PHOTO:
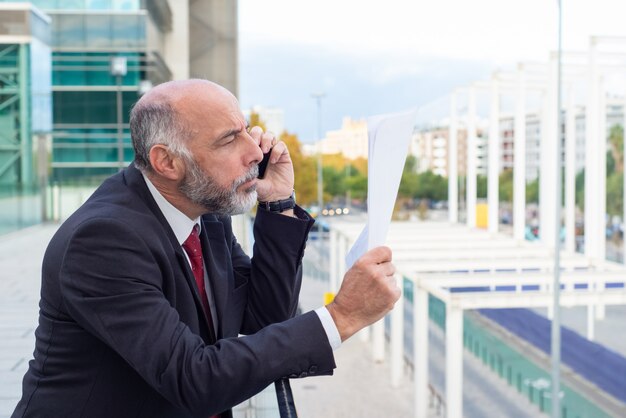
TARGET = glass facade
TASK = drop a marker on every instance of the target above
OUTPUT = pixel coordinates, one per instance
(96, 31)
(85, 35)
(84, 4)
(86, 126)
(14, 112)
(25, 110)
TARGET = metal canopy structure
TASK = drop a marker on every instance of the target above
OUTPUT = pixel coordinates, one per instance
(443, 259)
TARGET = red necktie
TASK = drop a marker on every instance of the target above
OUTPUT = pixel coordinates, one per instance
(194, 251)
(193, 248)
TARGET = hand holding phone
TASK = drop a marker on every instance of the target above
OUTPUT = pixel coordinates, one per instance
(263, 163)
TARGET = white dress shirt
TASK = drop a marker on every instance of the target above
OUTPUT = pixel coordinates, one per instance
(181, 226)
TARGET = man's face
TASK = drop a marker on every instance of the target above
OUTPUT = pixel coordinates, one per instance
(221, 174)
(198, 187)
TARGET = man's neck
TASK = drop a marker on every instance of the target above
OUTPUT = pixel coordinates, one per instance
(170, 192)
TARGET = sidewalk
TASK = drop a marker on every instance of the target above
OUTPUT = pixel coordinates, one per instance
(359, 387)
(21, 253)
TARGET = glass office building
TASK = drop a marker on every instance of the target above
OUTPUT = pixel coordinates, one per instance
(90, 101)
(25, 111)
(70, 70)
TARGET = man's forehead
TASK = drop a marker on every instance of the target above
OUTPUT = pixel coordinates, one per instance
(188, 91)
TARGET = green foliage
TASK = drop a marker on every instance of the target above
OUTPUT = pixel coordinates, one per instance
(358, 186)
(505, 186)
(334, 184)
(610, 163)
(616, 148)
(614, 194)
(580, 189)
(481, 187)
(532, 191)
(431, 186)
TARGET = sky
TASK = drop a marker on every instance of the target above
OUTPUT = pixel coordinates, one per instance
(370, 57)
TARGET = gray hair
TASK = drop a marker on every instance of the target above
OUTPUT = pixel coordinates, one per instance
(153, 123)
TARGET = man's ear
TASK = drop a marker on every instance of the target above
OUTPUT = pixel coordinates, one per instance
(165, 163)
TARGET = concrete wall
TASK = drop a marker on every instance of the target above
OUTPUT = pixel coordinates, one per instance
(213, 42)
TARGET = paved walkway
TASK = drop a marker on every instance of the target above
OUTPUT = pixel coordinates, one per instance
(359, 387)
(20, 269)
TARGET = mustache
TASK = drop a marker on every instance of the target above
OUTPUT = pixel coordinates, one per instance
(252, 174)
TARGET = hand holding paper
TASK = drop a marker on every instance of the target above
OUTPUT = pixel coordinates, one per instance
(388, 144)
(368, 291)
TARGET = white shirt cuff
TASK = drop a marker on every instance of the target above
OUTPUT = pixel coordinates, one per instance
(329, 326)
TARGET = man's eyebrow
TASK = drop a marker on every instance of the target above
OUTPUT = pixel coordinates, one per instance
(230, 132)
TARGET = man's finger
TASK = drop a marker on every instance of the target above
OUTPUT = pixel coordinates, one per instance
(378, 255)
(256, 133)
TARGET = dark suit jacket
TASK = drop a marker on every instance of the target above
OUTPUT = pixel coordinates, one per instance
(121, 331)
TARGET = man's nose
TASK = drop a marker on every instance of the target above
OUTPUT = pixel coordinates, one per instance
(254, 150)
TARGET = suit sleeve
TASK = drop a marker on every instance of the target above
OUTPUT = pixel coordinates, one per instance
(274, 275)
(111, 282)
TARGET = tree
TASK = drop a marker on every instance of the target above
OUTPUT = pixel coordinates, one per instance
(614, 194)
(255, 120)
(580, 189)
(616, 147)
(481, 187)
(505, 186)
(532, 191)
(305, 170)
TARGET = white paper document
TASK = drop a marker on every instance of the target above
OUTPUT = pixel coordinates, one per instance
(388, 137)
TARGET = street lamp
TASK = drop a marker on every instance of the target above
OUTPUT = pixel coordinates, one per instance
(119, 70)
(320, 191)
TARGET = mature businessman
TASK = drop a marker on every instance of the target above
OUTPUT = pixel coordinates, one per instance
(145, 289)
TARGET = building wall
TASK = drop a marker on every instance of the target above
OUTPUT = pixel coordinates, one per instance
(272, 118)
(213, 40)
(351, 140)
(177, 40)
(25, 92)
(430, 148)
(157, 39)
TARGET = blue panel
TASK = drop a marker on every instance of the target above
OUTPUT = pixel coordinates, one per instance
(595, 362)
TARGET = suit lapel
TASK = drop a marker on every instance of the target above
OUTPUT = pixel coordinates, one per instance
(217, 264)
(135, 181)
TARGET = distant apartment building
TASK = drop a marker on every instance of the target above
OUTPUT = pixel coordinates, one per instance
(350, 140)
(430, 145)
(106, 53)
(430, 148)
(614, 116)
(273, 118)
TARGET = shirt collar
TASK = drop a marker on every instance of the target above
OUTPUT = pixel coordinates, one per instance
(179, 222)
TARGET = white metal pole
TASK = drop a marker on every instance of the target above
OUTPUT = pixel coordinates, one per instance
(470, 189)
(454, 361)
(420, 350)
(453, 186)
(591, 317)
(601, 187)
(397, 337)
(378, 341)
(493, 199)
(519, 171)
(624, 191)
(556, 285)
(570, 173)
(547, 175)
(342, 250)
(592, 168)
(333, 260)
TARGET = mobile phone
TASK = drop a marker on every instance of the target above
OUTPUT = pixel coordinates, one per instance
(263, 164)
